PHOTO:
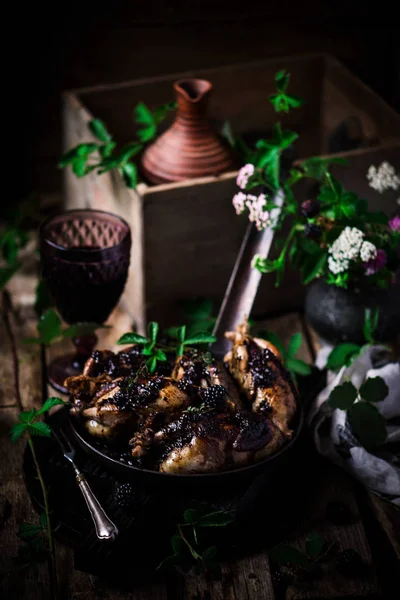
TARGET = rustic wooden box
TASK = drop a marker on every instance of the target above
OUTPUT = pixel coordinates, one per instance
(186, 235)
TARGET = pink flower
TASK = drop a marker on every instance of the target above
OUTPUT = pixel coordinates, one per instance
(238, 202)
(376, 264)
(244, 175)
(394, 224)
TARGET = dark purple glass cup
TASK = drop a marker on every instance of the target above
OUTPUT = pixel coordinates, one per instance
(84, 257)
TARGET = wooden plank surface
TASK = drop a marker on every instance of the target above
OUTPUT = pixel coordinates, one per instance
(248, 578)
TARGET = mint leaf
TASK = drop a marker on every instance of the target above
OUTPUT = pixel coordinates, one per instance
(342, 355)
(374, 389)
(27, 531)
(129, 173)
(106, 150)
(143, 114)
(27, 415)
(176, 543)
(99, 130)
(370, 324)
(160, 355)
(152, 331)
(39, 428)
(343, 396)
(190, 516)
(181, 333)
(43, 299)
(294, 344)
(367, 424)
(284, 554)
(128, 151)
(314, 545)
(152, 364)
(200, 338)
(215, 519)
(132, 338)
(313, 265)
(298, 366)
(282, 79)
(49, 326)
(17, 431)
(294, 101)
(49, 403)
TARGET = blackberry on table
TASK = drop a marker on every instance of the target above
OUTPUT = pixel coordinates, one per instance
(123, 495)
(213, 396)
(312, 231)
(349, 563)
(310, 208)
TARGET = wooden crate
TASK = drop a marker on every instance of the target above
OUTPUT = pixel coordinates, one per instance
(186, 235)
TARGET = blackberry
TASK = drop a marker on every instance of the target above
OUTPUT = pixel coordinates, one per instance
(184, 384)
(312, 231)
(213, 396)
(310, 208)
(123, 495)
(338, 513)
(349, 563)
(279, 580)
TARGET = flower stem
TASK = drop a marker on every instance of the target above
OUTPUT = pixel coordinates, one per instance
(52, 559)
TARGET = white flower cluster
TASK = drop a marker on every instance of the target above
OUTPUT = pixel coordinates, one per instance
(368, 252)
(350, 245)
(244, 175)
(255, 204)
(383, 178)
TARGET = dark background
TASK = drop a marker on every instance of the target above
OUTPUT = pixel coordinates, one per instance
(57, 47)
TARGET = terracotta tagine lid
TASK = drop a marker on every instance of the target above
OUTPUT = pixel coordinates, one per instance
(189, 148)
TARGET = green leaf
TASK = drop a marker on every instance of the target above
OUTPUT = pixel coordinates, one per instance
(282, 79)
(32, 340)
(152, 364)
(200, 338)
(343, 396)
(26, 531)
(129, 151)
(129, 173)
(294, 344)
(287, 139)
(49, 326)
(160, 355)
(27, 415)
(270, 162)
(43, 299)
(143, 114)
(39, 428)
(6, 273)
(161, 111)
(17, 431)
(181, 333)
(342, 355)
(313, 265)
(180, 350)
(314, 545)
(106, 150)
(273, 338)
(371, 319)
(284, 554)
(49, 403)
(82, 329)
(99, 130)
(227, 133)
(219, 518)
(367, 424)
(294, 101)
(79, 166)
(374, 389)
(190, 516)
(298, 366)
(152, 331)
(176, 543)
(132, 338)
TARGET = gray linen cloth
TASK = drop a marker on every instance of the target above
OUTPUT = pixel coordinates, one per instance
(380, 472)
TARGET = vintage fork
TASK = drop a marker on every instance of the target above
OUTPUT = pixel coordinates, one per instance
(105, 528)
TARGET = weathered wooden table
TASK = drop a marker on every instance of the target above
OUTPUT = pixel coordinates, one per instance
(374, 533)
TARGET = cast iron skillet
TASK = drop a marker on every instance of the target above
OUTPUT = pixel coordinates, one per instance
(267, 467)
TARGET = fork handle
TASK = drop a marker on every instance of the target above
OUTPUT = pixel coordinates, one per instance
(105, 528)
